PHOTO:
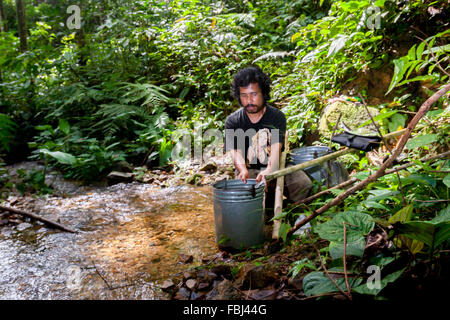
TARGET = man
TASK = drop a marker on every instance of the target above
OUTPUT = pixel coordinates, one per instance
(255, 134)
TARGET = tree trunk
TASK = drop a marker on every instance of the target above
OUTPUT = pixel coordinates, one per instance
(3, 22)
(22, 24)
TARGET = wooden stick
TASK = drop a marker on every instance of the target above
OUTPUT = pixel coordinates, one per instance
(353, 180)
(278, 208)
(349, 295)
(382, 170)
(36, 217)
(320, 160)
(326, 271)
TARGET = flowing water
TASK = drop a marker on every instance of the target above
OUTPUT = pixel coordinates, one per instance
(131, 236)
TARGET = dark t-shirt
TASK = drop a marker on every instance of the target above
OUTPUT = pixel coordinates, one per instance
(271, 119)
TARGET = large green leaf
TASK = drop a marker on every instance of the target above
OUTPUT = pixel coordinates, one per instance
(384, 281)
(403, 215)
(61, 157)
(379, 117)
(337, 45)
(400, 67)
(421, 141)
(433, 232)
(447, 180)
(354, 248)
(443, 216)
(418, 178)
(358, 225)
(396, 121)
(64, 126)
(316, 283)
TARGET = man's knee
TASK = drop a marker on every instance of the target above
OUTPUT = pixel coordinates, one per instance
(298, 185)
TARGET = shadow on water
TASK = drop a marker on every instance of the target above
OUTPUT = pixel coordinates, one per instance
(130, 240)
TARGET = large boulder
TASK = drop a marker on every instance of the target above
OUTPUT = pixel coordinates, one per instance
(353, 116)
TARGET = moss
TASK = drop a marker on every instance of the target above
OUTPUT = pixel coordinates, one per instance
(353, 115)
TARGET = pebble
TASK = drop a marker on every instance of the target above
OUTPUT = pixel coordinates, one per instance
(23, 226)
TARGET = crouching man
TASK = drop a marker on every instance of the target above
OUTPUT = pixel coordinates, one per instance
(254, 136)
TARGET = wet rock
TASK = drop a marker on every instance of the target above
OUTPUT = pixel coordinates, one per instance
(206, 275)
(194, 179)
(183, 294)
(168, 286)
(204, 285)
(123, 166)
(197, 296)
(214, 292)
(210, 167)
(267, 294)
(222, 270)
(16, 221)
(6, 232)
(256, 277)
(283, 295)
(23, 226)
(115, 177)
(296, 283)
(189, 275)
(226, 291)
(184, 258)
(191, 284)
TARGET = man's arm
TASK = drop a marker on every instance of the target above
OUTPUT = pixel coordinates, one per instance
(239, 163)
(273, 163)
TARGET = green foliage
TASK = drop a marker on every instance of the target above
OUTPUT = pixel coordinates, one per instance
(298, 266)
(317, 283)
(7, 129)
(418, 59)
(432, 233)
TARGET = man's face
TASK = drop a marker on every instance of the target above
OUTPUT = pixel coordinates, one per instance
(251, 98)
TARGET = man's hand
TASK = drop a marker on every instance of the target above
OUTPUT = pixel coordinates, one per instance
(243, 175)
(262, 175)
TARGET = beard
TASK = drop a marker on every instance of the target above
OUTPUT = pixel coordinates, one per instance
(253, 108)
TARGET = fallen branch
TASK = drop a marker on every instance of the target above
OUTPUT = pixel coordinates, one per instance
(353, 180)
(382, 170)
(36, 217)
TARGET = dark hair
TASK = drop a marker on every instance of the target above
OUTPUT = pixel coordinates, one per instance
(249, 75)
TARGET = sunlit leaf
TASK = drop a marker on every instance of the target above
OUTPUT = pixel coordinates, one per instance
(403, 215)
(61, 157)
(420, 141)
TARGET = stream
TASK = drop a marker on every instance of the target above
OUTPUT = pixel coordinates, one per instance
(130, 240)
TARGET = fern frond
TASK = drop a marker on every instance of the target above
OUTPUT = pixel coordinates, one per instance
(115, 117)
(274, 55)
(152, 95)
(7, 130)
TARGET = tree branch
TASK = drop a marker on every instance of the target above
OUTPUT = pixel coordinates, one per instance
(382, 171)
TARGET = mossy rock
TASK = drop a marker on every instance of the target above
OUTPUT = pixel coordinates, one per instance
(353, 115)
(194, 179)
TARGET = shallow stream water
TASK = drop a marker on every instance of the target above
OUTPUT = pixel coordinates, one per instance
(131, 236)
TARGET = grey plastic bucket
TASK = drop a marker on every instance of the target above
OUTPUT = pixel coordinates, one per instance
(238, 213)
(330, 172)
